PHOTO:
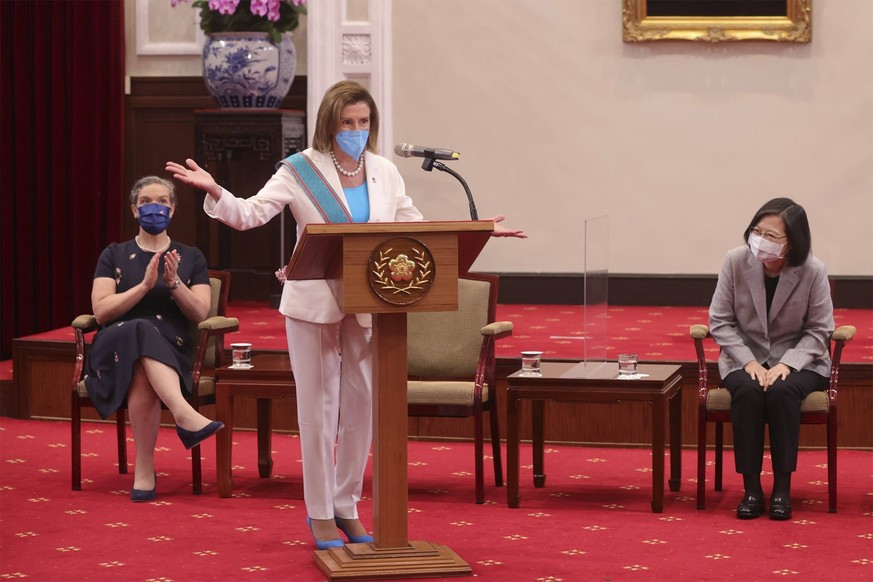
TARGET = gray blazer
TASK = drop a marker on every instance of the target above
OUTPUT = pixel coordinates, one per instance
(797, 330)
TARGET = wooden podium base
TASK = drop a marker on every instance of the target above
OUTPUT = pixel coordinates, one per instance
(368, 562)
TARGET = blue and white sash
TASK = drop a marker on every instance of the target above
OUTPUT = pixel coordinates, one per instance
(323, 196)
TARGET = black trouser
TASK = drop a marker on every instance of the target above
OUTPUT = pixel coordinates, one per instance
(779, 407)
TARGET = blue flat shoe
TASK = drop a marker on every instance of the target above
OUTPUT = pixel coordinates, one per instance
(140, 495)
(323, 545)
(192, 438)
(353, 539)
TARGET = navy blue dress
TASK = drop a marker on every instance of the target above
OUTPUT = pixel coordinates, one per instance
(155, 327)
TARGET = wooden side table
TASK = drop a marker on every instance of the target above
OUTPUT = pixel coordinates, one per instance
(270, 377)
(570, 382)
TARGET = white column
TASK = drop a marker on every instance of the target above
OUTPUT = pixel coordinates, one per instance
(359, 50)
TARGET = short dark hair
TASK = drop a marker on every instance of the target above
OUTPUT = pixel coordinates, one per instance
(796, 227)
(329, 113)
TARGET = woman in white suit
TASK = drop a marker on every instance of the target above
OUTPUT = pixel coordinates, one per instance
(772, 317)
(339, 179)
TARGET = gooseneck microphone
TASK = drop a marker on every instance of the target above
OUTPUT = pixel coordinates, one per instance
(407, 150)
(431, 155)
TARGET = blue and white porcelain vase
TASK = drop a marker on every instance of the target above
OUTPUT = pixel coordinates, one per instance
(245, 69)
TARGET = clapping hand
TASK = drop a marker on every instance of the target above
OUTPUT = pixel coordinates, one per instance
(171, 266)
(151, 272)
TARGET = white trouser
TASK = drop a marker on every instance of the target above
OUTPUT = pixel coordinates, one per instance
(333, 371)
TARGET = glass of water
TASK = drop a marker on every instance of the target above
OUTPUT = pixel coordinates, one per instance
(530, 363)
(627, 364)
(242, 355)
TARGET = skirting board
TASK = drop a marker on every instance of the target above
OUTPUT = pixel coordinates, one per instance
(668, 290)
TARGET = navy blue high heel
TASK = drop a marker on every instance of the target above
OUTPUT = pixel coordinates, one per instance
(353, 539)
(192, 438)
(323, 545)
(140, 495)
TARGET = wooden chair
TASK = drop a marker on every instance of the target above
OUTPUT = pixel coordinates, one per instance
(208, 337)
(451, 365)
(714, 405)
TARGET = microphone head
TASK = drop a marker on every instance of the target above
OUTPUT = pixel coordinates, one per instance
(404, 150)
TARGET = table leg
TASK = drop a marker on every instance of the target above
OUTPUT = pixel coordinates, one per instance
(676, 441)
(538, 429)
(512, 403)
(659, 435)
(224, 439)
(265, 437)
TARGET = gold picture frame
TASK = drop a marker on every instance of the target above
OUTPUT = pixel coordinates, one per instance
(794, 26)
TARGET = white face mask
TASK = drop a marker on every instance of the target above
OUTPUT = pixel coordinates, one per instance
(764, 250)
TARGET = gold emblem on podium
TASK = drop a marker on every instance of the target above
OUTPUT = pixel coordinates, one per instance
(401, 271)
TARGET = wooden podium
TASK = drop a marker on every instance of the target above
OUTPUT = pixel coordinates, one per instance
(389, 270)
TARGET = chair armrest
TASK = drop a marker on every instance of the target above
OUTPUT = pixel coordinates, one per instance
(87, 323)
(844, 333)
(498, 329)
(699, 332)
(219, 324)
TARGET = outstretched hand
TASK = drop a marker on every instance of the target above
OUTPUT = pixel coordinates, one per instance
(194, 175)
(500, 230)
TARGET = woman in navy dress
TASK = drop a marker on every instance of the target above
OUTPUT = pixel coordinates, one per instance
(146, 293)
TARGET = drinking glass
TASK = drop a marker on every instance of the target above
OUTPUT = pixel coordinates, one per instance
(627, 364)
(530, 363)
(242, 355)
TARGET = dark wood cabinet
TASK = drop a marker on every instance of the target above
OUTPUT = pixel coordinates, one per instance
(241, 148)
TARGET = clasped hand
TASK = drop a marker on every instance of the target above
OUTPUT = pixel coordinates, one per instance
(766, 377)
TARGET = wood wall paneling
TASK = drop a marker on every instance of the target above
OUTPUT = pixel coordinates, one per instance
(241, 150)
(672, 290)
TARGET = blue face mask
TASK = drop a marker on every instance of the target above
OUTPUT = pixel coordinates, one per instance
(154, 218)
(353, 142)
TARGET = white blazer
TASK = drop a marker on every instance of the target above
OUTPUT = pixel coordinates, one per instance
(312, 300)
(797, 330)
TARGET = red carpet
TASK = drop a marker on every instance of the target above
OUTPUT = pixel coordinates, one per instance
(653, 333)
(590, 522)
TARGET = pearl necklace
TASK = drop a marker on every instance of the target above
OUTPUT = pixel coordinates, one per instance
(148, 250)
(345, 172)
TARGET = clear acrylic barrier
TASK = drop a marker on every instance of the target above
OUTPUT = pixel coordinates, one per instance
(596, 299)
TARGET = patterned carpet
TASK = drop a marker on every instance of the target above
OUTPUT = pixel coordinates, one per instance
(590, 522)
(657, 334)
(653, 333)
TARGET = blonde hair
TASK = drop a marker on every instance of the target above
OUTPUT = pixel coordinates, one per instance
(329, 113)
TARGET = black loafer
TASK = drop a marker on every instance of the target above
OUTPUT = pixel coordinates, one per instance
(751, 507)
(780, 508)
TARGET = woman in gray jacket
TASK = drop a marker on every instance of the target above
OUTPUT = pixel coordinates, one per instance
(772, 317)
